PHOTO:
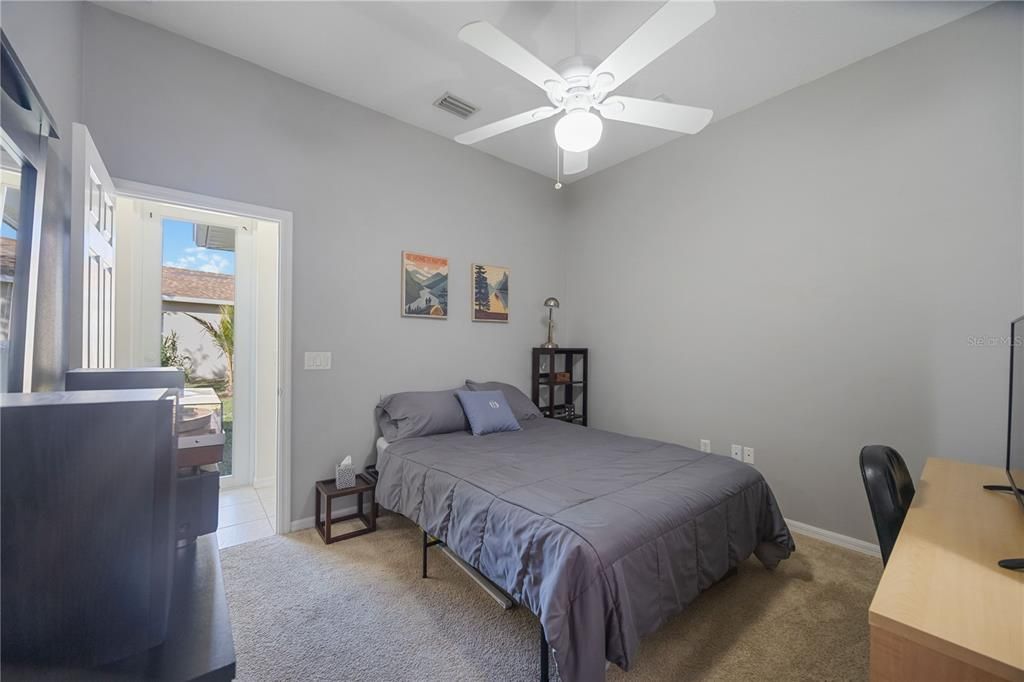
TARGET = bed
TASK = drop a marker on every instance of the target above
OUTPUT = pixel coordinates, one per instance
(603, 536)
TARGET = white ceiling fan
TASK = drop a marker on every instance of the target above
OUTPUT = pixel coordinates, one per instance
(580, 88)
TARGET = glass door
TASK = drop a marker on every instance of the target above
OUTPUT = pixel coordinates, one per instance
(205, 315)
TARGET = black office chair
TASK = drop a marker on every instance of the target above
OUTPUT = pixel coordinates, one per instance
(890, 490)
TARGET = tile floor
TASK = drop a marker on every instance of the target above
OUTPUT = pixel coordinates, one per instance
(246, 514)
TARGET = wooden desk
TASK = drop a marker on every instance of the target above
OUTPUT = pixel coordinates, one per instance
(944, 610)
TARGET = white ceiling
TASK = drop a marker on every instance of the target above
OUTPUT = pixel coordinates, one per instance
(398, 57)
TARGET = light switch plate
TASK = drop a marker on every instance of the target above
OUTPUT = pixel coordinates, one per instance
(705, 445)
(318, 359)
(737, 452)
(748, 455)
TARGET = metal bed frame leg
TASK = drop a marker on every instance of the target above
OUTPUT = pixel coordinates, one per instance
(427, 544)
(545, 648)
(425, 547)
(544, 656)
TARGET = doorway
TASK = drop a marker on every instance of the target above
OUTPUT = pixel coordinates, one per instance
(199, 298)
(200, 288)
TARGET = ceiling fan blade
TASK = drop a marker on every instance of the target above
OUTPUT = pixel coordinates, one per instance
(674, 21)
(646, 112)
(505, 125)
(507, 52)
(574, 162)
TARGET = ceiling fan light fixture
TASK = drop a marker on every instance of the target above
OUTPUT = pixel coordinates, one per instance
(578, 131)
(578, 86)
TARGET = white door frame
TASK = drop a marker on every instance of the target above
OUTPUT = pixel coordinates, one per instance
(147, 252)
(140, 190)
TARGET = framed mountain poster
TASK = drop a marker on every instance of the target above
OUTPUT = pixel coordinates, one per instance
(424, 286)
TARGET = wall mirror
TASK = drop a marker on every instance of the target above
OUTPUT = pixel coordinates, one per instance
(26, 127)
(10, 201)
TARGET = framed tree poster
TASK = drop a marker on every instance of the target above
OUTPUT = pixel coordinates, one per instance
(490, 293)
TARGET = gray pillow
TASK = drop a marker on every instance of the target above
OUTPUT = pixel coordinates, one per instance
(420, 413)
(522, 407)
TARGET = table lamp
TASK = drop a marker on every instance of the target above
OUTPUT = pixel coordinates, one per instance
(551, 303)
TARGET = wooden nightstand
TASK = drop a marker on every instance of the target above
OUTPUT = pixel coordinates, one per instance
(329, 492)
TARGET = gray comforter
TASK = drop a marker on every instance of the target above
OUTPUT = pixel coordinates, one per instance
(603, 536)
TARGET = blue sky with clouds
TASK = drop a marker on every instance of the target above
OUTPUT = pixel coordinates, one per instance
(180, 251)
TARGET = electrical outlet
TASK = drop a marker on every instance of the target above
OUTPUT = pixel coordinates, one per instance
(317, 360)
(705, 445)
(748, 455)
(737, 452)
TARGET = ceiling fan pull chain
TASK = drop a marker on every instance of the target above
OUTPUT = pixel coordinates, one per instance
(558, 174)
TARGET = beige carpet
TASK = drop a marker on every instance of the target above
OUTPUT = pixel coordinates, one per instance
(358, 610)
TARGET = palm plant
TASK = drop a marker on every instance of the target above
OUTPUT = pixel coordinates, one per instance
(172, 356)
(223, 336)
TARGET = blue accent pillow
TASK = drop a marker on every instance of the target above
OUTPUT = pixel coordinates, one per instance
(487, 411)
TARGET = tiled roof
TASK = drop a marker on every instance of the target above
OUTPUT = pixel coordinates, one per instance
(182, 283)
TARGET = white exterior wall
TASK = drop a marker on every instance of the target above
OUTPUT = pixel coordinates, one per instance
(208, 361)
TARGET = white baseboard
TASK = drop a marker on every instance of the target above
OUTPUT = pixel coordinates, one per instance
(303, 524)
(834, 538)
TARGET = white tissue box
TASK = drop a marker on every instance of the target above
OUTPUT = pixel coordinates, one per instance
(344, 475)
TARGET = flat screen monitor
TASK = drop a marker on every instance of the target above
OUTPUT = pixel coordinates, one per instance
(1015, 438)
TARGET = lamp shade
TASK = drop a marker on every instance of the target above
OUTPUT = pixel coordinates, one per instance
(578, 131)
(551, 302)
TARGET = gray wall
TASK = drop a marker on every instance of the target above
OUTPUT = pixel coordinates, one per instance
(362, 187)
(48, 39)
(805, 277)
(802, 277)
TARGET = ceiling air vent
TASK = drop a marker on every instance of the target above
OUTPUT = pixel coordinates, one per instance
(456, 105)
